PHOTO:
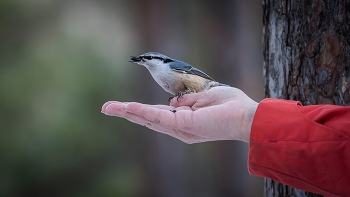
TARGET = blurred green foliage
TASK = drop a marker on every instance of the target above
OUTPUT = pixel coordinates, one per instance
(52, 90)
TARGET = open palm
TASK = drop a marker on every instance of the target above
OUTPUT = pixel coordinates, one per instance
(221, 113)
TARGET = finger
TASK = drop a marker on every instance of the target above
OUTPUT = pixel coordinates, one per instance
(152, 114)
(180, 119)
(138, 119)
(171, 108)
(160, 116)
(165, 107)
(123, 104)
(147, 115)
(105, 105)
(114, 108)
(183, 108)
(117, 109)
(178, 134)
(185, 100)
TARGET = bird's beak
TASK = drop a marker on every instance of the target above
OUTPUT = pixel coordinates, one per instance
(135, 59)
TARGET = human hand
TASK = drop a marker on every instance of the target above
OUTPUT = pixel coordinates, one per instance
(221, 113)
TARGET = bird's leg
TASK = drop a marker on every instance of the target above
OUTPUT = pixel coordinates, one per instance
(180, 94)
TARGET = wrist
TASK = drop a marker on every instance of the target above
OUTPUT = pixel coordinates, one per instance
(249, 118)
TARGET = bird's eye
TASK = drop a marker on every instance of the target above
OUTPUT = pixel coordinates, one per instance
(167, 60)
(148, 57)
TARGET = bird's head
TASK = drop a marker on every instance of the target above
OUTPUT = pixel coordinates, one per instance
(151, 59)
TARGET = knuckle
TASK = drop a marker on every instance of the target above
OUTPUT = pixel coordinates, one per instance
(157, 121)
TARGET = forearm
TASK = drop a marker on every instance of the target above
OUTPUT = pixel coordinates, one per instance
(300, 148)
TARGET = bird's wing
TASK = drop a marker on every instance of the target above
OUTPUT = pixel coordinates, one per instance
(183, 67)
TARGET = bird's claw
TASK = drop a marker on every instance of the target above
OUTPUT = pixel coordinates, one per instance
(179, 95)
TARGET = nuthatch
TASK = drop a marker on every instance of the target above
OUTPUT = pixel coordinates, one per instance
(174, 76)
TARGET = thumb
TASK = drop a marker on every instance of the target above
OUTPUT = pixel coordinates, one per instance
(185, 100)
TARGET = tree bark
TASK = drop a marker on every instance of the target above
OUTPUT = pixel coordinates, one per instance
(306, 58)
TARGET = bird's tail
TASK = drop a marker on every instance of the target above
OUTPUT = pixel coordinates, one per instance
(221, 84)
(215, 83)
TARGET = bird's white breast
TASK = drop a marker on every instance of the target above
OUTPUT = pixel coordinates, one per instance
(164, 76)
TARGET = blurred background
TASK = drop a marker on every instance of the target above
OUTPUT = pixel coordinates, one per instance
(60, 60)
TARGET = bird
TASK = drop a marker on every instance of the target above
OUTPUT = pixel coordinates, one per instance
(174, 76)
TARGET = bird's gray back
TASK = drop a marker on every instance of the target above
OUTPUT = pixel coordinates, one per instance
(183, 67)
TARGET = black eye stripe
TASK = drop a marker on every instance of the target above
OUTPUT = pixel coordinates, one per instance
(149, 57)
(158, 58)
(167, 60)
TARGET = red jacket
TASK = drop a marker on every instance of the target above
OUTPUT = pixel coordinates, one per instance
(306, 147)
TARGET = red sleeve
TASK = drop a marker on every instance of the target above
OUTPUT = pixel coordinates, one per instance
(306, 147)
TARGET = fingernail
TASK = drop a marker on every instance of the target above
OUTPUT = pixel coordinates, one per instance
(113, 109)
(105, 105)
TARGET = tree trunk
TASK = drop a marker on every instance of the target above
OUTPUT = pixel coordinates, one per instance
(306, 58)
